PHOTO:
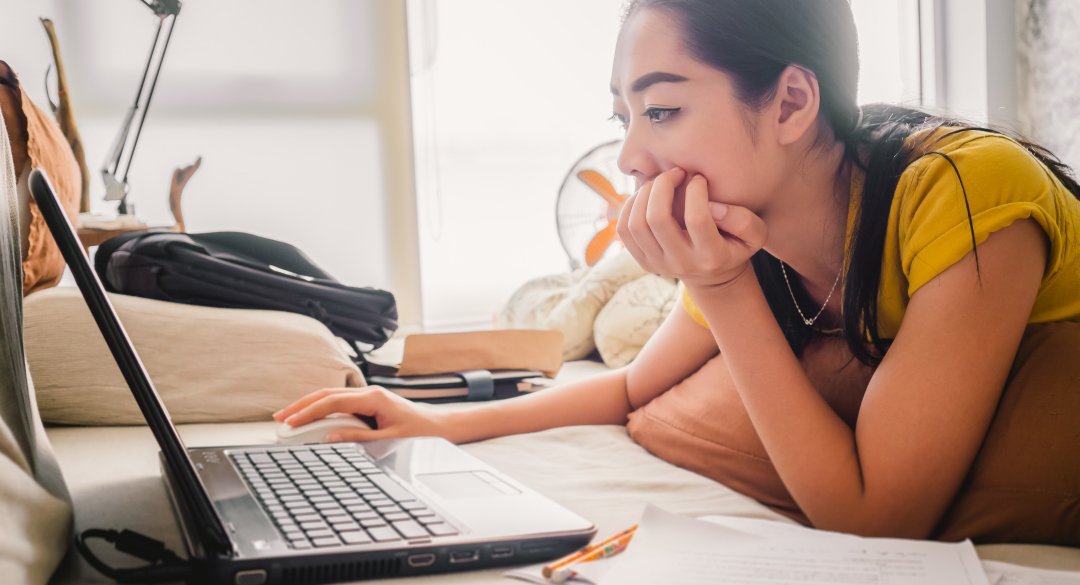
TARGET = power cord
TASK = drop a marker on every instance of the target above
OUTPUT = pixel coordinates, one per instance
(165, 566)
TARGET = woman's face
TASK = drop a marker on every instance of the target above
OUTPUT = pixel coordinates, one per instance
(679, 112)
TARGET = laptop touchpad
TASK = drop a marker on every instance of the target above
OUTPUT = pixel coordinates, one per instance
(466, 484)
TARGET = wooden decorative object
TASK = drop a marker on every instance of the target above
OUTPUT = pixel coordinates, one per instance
(65, 116)
(180, 178)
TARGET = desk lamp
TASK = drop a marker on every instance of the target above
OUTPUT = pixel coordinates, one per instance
(121, 154)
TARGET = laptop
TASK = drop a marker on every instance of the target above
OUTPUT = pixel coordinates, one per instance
(323, 513)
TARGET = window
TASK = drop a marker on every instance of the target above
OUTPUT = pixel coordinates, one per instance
(506, 97)
(284, 100)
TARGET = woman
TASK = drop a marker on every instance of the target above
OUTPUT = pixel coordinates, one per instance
(808, 231)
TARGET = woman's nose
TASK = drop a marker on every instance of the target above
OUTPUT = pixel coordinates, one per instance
(635, 160)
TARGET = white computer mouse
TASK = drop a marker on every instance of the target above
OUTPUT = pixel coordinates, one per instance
(317, 430)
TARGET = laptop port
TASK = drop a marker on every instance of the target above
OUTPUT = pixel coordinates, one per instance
(502, 552)
(421, 560)
(464, 556)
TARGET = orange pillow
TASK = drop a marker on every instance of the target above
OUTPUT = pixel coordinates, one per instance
(1024, 485)
(701, 424)
(36, 141)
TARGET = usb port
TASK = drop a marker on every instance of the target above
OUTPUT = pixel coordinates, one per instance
(421, 560)
(464, 556)
(502, 552)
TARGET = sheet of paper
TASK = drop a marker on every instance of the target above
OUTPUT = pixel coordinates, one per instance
(673, 549)
(772, 528)
(1008, 574)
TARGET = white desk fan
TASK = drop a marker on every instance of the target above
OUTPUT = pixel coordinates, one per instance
(587, 209)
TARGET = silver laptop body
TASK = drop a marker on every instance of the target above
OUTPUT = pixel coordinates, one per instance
(323, 513)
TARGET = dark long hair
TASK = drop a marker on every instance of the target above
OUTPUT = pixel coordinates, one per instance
(753, 41)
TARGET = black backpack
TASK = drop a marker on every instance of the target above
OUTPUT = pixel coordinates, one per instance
(240, 270)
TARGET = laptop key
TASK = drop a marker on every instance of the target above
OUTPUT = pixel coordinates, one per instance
(355, 537)
(392, 488)
(397, 516)
(383, 534)
(371, 522)
(313, 525)
(409, 529)
(301, 544)
(429, 519)
(345, 526)
(308, 518)
(321, 533)
(441, 529)
(326, 541)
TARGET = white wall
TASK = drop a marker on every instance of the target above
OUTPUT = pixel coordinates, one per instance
(296, 108)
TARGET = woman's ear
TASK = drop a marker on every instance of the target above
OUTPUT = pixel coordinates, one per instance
(796, 103)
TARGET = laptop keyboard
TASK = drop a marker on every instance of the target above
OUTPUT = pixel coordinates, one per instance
(333, 495)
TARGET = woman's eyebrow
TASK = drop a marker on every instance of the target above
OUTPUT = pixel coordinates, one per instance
(649, 79)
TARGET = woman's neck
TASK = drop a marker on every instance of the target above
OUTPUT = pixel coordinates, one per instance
(808, 222)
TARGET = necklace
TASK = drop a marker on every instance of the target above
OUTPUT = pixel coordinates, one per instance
(810, 322)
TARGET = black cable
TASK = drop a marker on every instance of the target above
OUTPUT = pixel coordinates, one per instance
(165, 566)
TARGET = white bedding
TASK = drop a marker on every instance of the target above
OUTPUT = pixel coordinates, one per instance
(596, 471)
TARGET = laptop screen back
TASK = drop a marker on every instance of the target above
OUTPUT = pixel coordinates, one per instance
(211, 533)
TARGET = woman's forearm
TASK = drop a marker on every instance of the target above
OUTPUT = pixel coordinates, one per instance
(812, 448)
(599, 399)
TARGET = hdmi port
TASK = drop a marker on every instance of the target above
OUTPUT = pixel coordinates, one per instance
(421, 560)
(464, 556)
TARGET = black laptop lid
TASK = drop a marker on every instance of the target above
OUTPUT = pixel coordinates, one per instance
(210, 532)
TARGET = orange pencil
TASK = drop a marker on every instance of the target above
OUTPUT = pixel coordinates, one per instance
(602, 549)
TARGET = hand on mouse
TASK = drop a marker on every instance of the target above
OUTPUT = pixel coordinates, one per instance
(393, 415)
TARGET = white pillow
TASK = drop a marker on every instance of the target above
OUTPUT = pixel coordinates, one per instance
(570, 302)
(631, 317)
(207, 364)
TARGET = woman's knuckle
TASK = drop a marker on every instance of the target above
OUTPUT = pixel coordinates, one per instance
(698, 223)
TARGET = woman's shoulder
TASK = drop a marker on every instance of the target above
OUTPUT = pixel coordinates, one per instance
(975, 154)
(984, 168)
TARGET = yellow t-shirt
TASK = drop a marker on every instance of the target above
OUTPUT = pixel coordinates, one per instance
(928, 229)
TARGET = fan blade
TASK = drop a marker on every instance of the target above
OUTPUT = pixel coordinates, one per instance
(601, 185)
(599, 243)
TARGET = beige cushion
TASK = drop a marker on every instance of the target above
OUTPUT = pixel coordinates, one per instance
(630, 318)
(570, 302)
(208, 364)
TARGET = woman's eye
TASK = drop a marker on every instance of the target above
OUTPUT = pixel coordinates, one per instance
(619, 119)
(658, 115)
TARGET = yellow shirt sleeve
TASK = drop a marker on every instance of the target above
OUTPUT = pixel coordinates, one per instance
(1004, 183)
(691, 308)
(929, 230)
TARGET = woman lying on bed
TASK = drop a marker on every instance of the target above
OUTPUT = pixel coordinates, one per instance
(863, 289)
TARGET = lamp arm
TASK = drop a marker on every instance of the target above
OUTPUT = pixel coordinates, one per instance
(116, 185)
(150, 94)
